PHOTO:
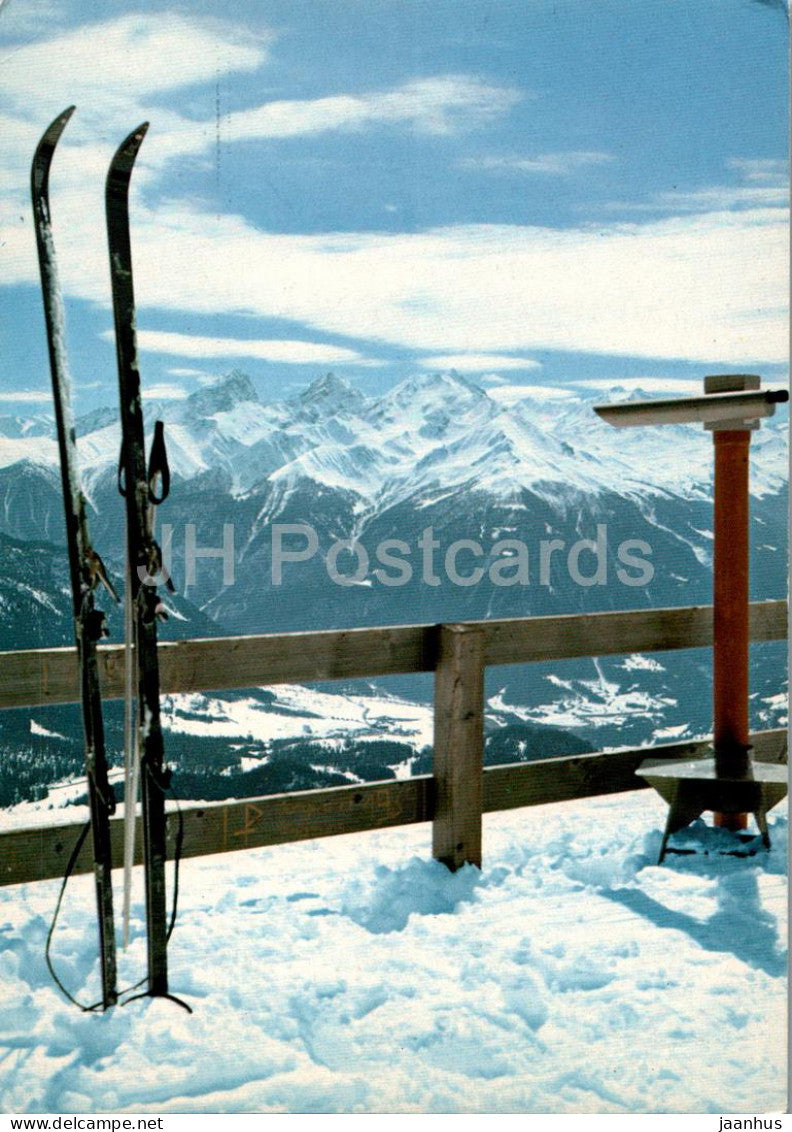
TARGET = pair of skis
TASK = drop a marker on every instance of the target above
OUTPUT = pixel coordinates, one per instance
(143, 486)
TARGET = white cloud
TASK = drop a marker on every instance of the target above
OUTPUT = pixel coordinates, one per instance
(33, 396)
(556, 164)
(761, 169)
(511, 394)
(663, 386)
(27, 17)
(129, 58)
(722, 197)
(444, 104)
(763, 183)
(668, 386)
(166, 391)
(117, 73)
(439, 105)
(268, 350)
(185, 371)
(477, 363)
(710, 288)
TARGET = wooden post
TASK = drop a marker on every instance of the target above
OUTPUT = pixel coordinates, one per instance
(459, 745)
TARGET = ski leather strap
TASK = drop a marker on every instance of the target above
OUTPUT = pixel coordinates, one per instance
(158, 468)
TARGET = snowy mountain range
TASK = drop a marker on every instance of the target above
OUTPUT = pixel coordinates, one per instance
(431, 431)
(436, 453)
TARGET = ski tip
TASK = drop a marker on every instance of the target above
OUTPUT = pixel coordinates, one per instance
(124, 158)
(128, 150)
(50, 138)
(57, 126)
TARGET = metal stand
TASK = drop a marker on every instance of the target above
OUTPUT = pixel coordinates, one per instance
(728, 784)
(693, 787)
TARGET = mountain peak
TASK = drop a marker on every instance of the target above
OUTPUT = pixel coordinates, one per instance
(222, 396)
(454, 377)
(431, 389)
(96, 419)
(329, 395)
(446, 382)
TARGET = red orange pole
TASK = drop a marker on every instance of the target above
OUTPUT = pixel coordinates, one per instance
(730, 601)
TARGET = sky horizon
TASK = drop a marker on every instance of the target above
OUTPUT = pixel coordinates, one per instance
(547, 191)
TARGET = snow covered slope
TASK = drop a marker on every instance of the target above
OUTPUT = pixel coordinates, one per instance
(247, 743)
(356, 975)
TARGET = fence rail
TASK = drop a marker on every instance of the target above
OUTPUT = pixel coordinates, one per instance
(454, 797)
(38, 677)
(33, 854)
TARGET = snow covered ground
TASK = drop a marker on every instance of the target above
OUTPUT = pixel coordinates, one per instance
(356, 975)
(293, 710)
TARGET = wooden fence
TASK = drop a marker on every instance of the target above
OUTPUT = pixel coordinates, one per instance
(454, 797)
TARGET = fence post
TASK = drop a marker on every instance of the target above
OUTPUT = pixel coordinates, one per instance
(459, 745)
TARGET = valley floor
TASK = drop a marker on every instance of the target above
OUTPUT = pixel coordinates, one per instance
(356, 975)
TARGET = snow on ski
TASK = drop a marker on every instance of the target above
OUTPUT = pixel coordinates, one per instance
(85, 566)
(143, 488)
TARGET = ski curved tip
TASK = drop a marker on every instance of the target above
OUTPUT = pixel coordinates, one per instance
(47, 143)
(57, 125)
(125, 155)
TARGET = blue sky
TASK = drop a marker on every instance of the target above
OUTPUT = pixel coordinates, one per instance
(549, 191)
